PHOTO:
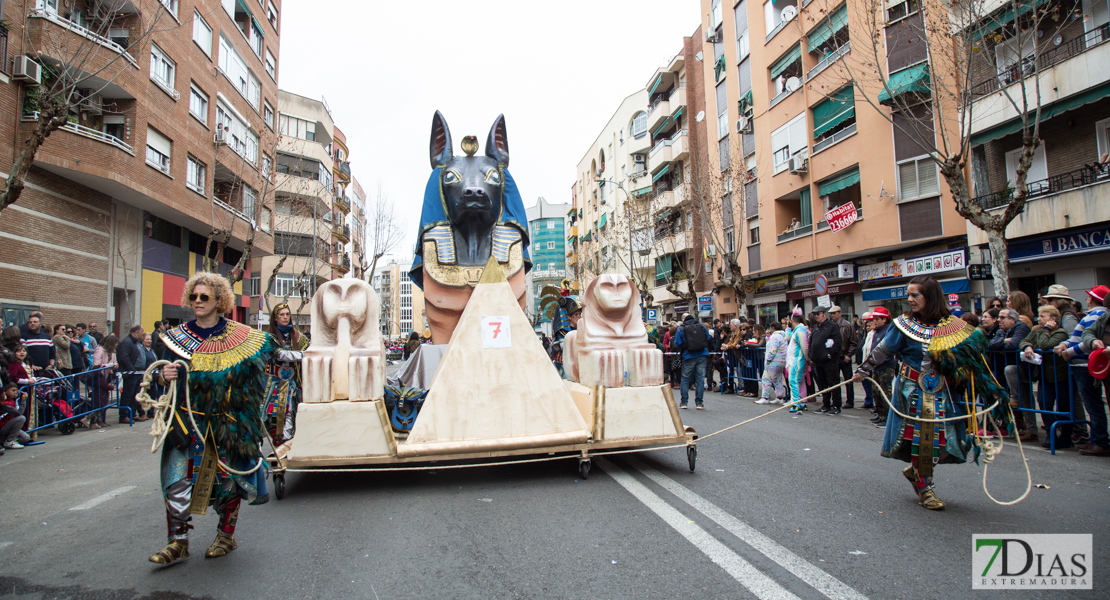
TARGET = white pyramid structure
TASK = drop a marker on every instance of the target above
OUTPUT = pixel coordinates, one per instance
(489, 396)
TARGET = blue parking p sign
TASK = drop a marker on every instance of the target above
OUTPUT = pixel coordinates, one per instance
(652, 315)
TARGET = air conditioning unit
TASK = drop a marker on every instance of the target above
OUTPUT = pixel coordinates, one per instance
(639, 159)
(92, 104)
(26, 69)
(221, 137)
(711, 35)
(743, 125)
(799, 164)
(600, 170)
(711, 250)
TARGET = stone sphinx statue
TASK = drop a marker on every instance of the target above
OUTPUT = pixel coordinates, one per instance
(610, 346)
(346, 358)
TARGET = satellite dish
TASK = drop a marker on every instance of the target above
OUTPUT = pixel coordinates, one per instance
(701, 115)
(789, 13)
(793, 83)
(698, 56)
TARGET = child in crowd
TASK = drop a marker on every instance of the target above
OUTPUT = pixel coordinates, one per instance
(20, 370)
(12, 419)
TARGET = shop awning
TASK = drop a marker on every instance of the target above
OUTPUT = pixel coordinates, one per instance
(661, 173)
(839, 182)
(1047, 112)
(838, 108)
(913, 79)
(786, 60)
(829, 27)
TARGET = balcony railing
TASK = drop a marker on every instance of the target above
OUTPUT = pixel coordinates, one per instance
(1030, 65)
(847, 132)
(1089, 174)
(42, 12)
(795, 233)
(343, 167)
(659, 146)
(340, 203)
(89, 132)
(828, 60)
(782, 96)
(343, 233)
(823, 225)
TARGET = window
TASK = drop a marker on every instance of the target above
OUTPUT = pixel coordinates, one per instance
(716, 13)
(721, 93)
(268, 114)
(272, 14)
(250, 201)
(171, 6)
(237, 134)
(195, 175)
(202, 34)
(285, 285)
(742, 46)
(639, 125)
(235, 68)
(162, 70)
(271, 64)
(1038, 169)
(198, 104)
(158, 150)
(1102, 134)
(551, 224)
(917, 178)
(298, 128)
(253, 286)
(753, 231)
(788, 140)
(730, 239)
(267, 165)
(551, 245)
(900, 9)
(229, 6)
(772, 15)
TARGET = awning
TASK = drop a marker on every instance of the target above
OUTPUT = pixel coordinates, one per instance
(839, 182)
(604, 220)
(829, 27)
(1047, 112)
(642, 191)
(832, 112)
(661, 173)
(913, 79)
(746, 102)
(786, 60)
(257, 27)
(658, 80)
(718, 67)
(1004, 16)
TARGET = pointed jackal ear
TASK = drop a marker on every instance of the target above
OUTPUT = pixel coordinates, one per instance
(441, 141)
(497, 146)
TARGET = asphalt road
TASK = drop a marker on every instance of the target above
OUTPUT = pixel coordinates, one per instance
(785, 507)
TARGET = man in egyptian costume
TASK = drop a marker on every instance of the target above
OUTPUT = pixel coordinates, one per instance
(943, 374)
(212, 457)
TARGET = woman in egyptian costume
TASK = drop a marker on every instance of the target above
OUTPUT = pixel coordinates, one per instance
(225, 377)
(943, 374)
(283, 390)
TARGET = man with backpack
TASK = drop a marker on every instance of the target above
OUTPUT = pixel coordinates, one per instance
(693, 339)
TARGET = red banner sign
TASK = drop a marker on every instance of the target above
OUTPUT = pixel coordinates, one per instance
(842, 216)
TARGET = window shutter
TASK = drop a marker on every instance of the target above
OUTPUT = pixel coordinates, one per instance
(927, 181)
(158, 141)
(907, 180)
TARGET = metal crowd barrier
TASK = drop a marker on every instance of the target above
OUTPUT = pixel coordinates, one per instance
(62, 401)
(1032, 384)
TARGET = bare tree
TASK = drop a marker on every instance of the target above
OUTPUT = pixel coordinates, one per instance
(385, 230)
(675, 238)
(77, 68)
(977, 50)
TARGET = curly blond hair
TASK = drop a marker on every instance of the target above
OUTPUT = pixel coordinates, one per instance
(225, 298)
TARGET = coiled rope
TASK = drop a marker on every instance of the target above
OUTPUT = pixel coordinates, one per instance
(165, 407)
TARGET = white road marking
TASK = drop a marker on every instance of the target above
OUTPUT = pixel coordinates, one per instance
(102, 499)
(5, 544)
(804, 570)
(741, 570)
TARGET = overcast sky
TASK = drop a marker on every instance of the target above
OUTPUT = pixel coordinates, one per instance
(557, 70)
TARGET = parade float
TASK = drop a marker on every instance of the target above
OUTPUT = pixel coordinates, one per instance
(485, 390)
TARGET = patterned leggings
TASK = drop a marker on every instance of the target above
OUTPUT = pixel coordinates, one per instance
(773, 376)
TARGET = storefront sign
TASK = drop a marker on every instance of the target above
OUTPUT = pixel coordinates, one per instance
(949, 260)
(770, 299)
(979, 272)
(846, 270)
(950, 286)
(1092, 239)
(806, 279)
(772, 284)
(841, 216)
(833, 290)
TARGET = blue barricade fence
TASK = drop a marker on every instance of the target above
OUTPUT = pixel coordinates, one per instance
(1048, 389)
(62, 401)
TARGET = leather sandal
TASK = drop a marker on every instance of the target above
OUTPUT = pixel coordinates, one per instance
(908, 472)
(220, 546)
(929, 500)
(176, 550)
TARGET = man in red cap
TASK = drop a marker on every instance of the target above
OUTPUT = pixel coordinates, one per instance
(884, 373)
(1088, 338)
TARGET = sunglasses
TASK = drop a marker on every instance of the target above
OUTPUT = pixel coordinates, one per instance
(201, 297)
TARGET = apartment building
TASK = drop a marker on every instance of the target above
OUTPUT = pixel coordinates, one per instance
(547, 224)
(1061, 238)
(164, 146)
(402, 301)
(357, 197)
(794, 134)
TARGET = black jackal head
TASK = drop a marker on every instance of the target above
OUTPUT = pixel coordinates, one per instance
(471, 184)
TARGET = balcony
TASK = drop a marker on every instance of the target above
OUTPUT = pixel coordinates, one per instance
(89, 132)
(795, 233)
(343, 169)
(661, 153)
(1088, 175)
(662, 109)
(340, 204)
(1029, 66)
(831, 58)
(831, 140)
(782, 96)
(342, 234)
(668, 199)
(42, 11)
(572, 258)
(342, 265)
(638, 144)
